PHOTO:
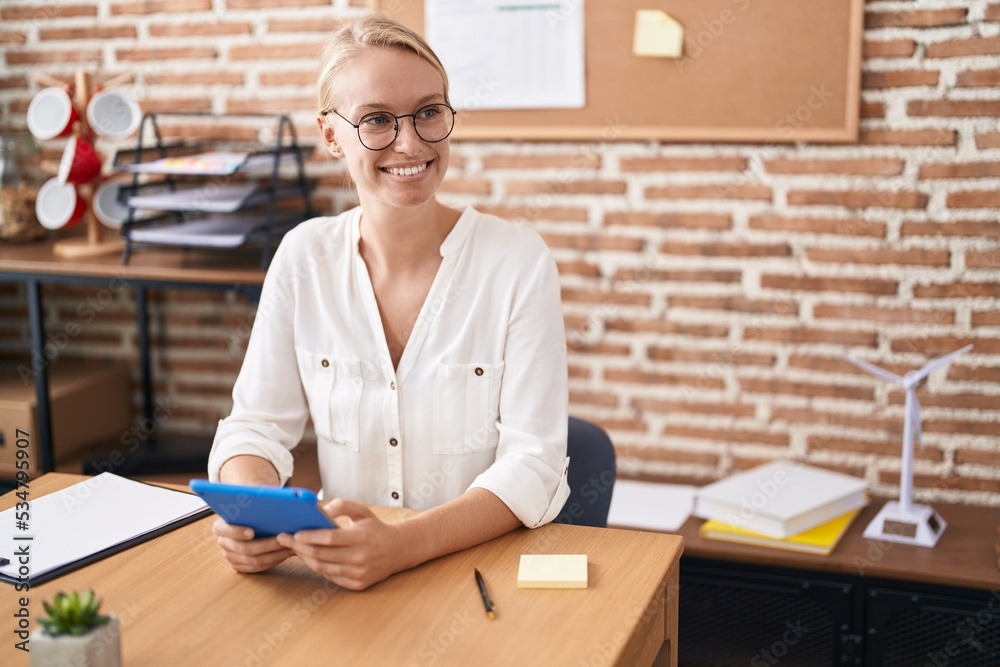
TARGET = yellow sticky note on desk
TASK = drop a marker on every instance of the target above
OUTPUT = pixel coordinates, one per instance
(552, 571)
(657, 34)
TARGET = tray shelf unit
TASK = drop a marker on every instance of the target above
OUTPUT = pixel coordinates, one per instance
(212, 194)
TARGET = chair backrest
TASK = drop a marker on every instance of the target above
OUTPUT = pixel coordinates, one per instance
(592, 473)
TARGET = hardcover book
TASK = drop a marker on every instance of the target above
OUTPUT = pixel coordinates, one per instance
(820, 540)
(781, 498)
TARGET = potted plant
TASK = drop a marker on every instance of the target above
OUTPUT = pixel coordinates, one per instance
(75, 633)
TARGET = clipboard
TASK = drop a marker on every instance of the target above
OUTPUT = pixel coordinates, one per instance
(86, 522)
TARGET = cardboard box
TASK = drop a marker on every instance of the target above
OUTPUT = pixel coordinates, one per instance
(89, 403)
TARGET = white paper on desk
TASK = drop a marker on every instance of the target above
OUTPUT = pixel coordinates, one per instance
(650, 505)
(89, 517)
(510, 54)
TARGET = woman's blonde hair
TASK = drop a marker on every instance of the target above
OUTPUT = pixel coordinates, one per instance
(368, 31)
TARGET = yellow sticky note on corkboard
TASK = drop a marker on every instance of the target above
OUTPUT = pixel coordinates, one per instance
(657, 34)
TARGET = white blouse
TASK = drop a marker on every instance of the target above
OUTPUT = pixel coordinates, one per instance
(479, 398)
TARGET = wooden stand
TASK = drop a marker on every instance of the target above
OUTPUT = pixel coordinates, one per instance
(93, 244)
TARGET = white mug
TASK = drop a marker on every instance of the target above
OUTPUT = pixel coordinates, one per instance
(59, 205)
(106, 206)
(51, 114)
(113, 114)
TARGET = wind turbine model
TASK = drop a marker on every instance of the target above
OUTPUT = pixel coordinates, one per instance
(903, 521)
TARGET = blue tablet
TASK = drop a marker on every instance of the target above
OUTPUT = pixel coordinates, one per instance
(269, 510)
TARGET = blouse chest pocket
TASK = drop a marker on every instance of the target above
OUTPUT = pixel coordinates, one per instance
(333, 388)
(466, 408)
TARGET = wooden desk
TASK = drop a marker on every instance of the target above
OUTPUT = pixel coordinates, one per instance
(870, 602)
(181, 604)
(160, 266)
(965, 555)
(35, 264)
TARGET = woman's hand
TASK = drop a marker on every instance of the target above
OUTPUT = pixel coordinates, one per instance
(242, 551)
(356, 556)
(245, 553)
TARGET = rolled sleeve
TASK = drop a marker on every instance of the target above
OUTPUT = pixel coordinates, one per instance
(525, 480)
(530, 471)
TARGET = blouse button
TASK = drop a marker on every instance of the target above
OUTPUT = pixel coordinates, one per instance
(479, 371)
(392, 385)
(395, 496)
(393, 442)
(325, 363)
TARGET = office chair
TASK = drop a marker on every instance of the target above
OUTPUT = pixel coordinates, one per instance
(592, 473)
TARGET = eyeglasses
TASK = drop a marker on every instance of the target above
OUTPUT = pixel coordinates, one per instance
(377, 130)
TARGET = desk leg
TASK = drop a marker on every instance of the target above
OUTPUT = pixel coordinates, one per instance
(145, 363)
(36, 322)
(667, 656)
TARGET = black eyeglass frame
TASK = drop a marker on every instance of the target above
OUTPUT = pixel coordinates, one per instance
(411, 116)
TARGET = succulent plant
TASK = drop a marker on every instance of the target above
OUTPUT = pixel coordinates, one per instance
(72, 614)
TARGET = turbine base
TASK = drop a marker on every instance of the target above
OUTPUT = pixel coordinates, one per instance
(921, 526)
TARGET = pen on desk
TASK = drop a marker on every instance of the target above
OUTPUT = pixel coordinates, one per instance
(486, 596)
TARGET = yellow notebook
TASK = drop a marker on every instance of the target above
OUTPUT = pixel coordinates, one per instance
(820, 540)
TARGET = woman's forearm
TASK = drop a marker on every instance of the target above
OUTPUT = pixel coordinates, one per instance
(473, 518)
(249, 469)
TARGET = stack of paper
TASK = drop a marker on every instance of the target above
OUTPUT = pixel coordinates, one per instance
(216, 163)
(773, 503)
(650, 505)
(213, 198)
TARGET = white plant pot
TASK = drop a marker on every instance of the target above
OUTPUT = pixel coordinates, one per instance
(100, 648)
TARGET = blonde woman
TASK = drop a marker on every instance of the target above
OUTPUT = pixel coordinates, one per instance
(426, 343)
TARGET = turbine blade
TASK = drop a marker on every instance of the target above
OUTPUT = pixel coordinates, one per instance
(874, 370)
(935, 364)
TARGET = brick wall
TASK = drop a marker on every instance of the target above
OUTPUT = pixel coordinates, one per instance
(709, 289)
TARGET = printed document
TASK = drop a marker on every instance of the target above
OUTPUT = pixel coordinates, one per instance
(510, 54)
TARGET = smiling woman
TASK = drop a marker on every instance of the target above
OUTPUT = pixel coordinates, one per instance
(386, 89)
(426, 344)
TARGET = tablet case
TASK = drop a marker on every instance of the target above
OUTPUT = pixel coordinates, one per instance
(269, 510)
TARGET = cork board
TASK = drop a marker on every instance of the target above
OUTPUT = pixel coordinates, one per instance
(752, 71)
